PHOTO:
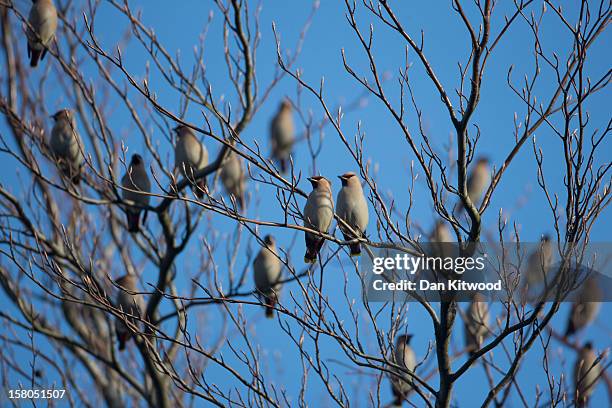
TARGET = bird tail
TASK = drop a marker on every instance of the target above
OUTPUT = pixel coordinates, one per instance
(398, 397)
(76, 179)
(354, 247)
(241, 202)
(310, 256)
(313, 247)
(199, 189)
(133, 219)
(270, 302)
(473, 342)
(284, 165)
(122, 338)
(72, 174)
(581, 401)
(571, 328)
(35, 56)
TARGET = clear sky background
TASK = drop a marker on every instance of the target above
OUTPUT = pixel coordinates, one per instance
(446, 43)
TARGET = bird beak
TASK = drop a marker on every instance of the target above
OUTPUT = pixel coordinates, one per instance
(311, 179)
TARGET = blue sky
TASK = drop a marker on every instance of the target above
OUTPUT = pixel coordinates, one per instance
(446, 43)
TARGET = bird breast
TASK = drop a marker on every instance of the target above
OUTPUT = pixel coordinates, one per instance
(137, 180)
(352, 208)
(267, 268)
(43, 19)
(282, 131)
(319, 210)
(190, 153)
(132, 304)
(65, 142)
(479, 180)
(232, 174)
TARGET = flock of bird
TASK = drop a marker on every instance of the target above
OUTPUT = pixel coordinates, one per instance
(351, 207)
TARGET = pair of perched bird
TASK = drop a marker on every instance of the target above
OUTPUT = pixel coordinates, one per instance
(351, 209)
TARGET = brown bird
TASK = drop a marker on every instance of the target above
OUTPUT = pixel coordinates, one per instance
(282, 135)
(538, 266)
(478, 180)
(586, 374)
(441, 240)
(43, 22)
(136, 179)
(66, 145)
(267, 268)
(401, 381)
(352, 208)
(190, 156)
(318, 215)
(441, 232)
(586, 306)
(233, 179)
(131, 304)
(476, 323)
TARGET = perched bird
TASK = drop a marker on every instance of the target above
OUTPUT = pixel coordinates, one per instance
(539, 262)
(130, 303)
(352, 208)
(401, 381)
(190, 155)
(66, 145)
(478, 180)
(476, 323)
(137, 179)
(282, 135)
(586, 374)
(538, 266)
(233, 179)
(78, 309)
(441, 233)
(586, 306)
(318, 215)
(43, 22)
(440, 239)
(267, 268)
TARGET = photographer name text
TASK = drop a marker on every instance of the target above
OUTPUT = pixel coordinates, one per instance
(425, 285)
